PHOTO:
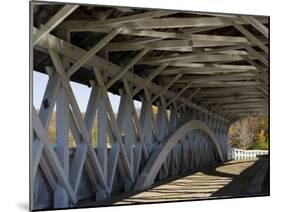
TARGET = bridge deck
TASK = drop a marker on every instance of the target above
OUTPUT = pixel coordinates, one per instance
(233, 178)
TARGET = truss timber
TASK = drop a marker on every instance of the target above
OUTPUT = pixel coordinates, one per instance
(194, 73)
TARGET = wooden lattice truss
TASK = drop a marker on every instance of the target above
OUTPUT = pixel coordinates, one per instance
(208, 70)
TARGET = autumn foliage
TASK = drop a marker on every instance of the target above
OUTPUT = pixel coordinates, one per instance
(249, 133)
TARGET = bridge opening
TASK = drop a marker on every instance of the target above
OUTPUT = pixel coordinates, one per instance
(248, 138)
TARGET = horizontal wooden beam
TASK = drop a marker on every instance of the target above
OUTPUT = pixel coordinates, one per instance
(137, 22)
(216, 77)
(192, 58)
(231, 99)
(235, 90)
(115, 22)
(186, 45)
(213, 66)
(219, 84)
(230, 95)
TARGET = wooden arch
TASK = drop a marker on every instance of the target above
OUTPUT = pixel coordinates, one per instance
(158, 157)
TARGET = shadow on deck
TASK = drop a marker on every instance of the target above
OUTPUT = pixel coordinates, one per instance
(242, 178)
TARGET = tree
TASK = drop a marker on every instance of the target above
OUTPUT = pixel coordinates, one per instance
(249, 133)
(260, 141)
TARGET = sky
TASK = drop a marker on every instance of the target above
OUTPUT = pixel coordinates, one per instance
(81, 92)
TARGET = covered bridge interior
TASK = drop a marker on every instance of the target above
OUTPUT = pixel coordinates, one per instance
(202, 71)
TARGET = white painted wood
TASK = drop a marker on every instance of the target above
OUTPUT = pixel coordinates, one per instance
(49, 99)
(240, 90)
(37, 149)
(136, 121)
(102, 136)
(45, 113)
(114, 125)
(80, 158)
(46, 170)
(154, 164)
(146, 124)
(113, 159)
(162, 120)
(54, 162)
(92, 106)
(77, 115)
(77, 166)
(137, 158)
(62, 150)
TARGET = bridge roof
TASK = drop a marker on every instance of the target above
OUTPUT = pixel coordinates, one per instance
(217, 63)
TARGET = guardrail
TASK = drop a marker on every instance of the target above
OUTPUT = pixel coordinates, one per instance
(240, 154)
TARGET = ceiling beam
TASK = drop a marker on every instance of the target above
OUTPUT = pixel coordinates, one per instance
(126, 68)
(138, 22)
(214, 66)
(192, 58)
(178, 94)
(257, 55)
(115, 22)
(257, 24)
(166, 87)
(251, 37)
(149, 78)
(188, 98)
(172, 45)
(88, 55)
(216, 77)
(214, 84)
(75, 53)
(53, 22)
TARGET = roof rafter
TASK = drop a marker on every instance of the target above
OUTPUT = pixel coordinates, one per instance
(53, 22)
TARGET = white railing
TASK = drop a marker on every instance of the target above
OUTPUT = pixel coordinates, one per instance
(240, 154)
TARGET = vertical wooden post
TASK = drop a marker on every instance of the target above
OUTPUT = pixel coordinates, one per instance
(146, 123)
(62, 133)
(62, 129)
(102, 143)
